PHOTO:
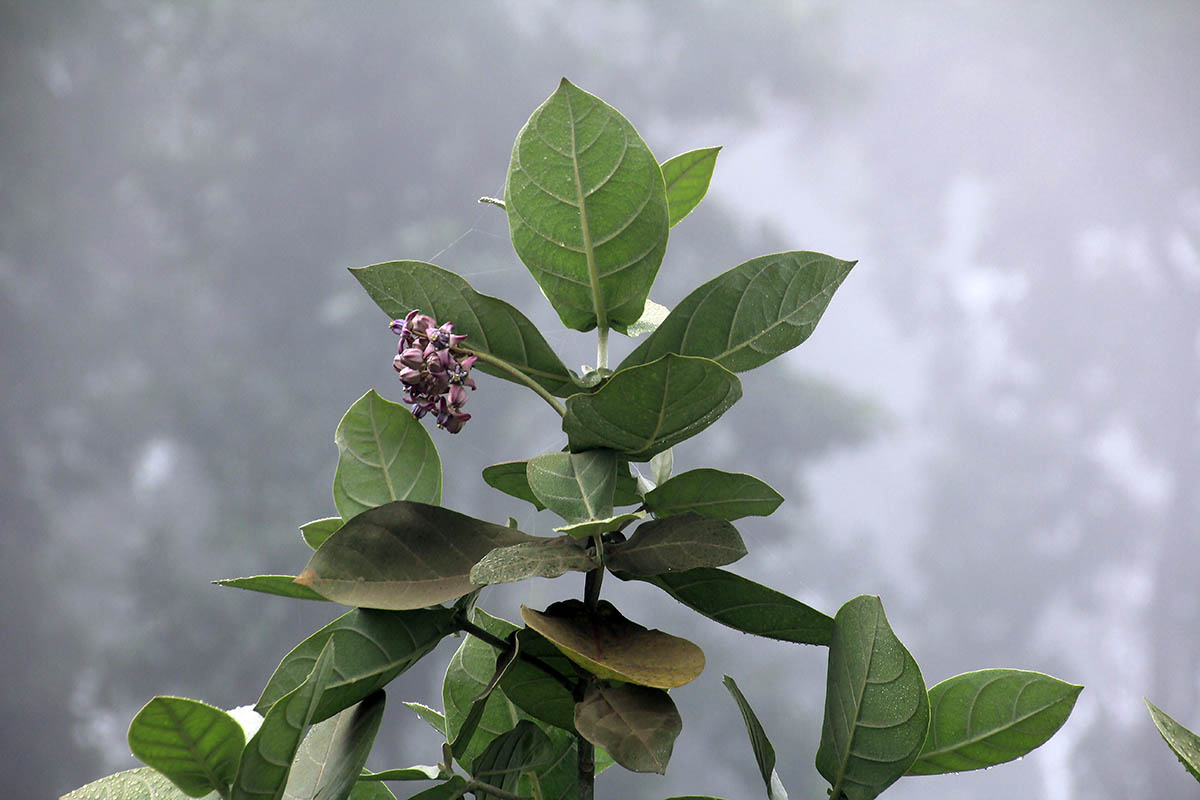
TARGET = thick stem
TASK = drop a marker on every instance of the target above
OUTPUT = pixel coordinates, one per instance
(587, 768)
(602, 347)
(487, 358)
(495, 641)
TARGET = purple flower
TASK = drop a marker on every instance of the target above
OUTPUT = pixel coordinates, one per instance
(429, 365)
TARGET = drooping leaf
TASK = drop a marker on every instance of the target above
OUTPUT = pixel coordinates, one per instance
(1183, 743)
(384, 454)
(712, 493)
(501, 764)
(677, 544)
(610, 646)
(744, 605)
(194, 744)
(577, 486)
(876, 708)
(594, 527)
(470, 670)
(492, 327)
(587, 209)
(435, 718)
(764, 752)
(280, 585)
(545, 558)
(754, 312)
(142, 783)
(316, 532)
(420, 772)
(332, 755)
(647, 408)
(404, 555)
(987, 717)
(509, 477)
(535, 692)
(637, 725)
(373, 647)
(687, 176)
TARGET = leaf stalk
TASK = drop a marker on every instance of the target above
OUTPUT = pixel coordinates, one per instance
(500, 363)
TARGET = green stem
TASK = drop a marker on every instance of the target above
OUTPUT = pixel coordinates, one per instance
(500, 363)
(586, 767)
(500, 644)
(602, 347)
(474, 785)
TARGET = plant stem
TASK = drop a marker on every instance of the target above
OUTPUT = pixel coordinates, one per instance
(586, 768)
(602, 347)
(500, 644)
(474, 785)
(500, 363)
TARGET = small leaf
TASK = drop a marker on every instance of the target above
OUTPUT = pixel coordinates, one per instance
(577, 486)
(509, 477)
(435, 718)
(637, 725)
(987, 717)
(1183, 743)
(331, 757)
(384, 454)
(470, 670)
(316, 532)
(662, 465)
(750, 314)
(595, 527)
(420, 772)
(876, 708)
(744, 605)
(652, 316)
(610, 646)
(280, 585)
(523, 749)
(587, 209)
(645, 409)
(142, 783)
(764, 752)
(545, 558)
(404, 555)
(492, 326)
(677, 544)
(194, 744)
(712, 493)
(373, 647)
(687, 176)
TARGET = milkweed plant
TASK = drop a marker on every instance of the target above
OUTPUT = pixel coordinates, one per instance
(537, 701)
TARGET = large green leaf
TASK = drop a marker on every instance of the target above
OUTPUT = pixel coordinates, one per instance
(510, 478)
(545, 558)
(501, 764)
(577, 486)
(404, 555)
(764, 751)
(494, 329)
(750, 314)
(687, 176)
(332, 755)
(637, 725)
(384, 454)
(587, 209)
(279, 585)
(1183, 743)
(373, 647)
(744, 605)
(677, 544)
(194, 744)
(987, 717)
(876, 708)
(645, 409)
(142, 783)
(712, 493)
(470, 670)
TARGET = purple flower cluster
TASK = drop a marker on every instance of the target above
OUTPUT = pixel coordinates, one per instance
(433, 376)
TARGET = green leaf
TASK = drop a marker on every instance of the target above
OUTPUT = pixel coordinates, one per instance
(373, 647)
(750, 314)
(509, 477)
(987, 717)
(420, 772)
(652, 316)
(331, 757)
(404, 555)
(142, 783)
(645, 409)
(594, 527)
(470, 670)
(637, 725)
(194, 744)
(545, 558)
(536, 693)
(523, 749)
(577, 486)
(876, 708)
(587, 209)
(1183, 743)
(435, 718)
(384, 454)
(466, 730)
(368, 790)
(687, 176)
(316, 532)
(764, 752)
(493, 327)
(281, 585)
(267, 757)
(452, 789)
(610, 646)
(712, 493)
(677, 544)
(744, 605)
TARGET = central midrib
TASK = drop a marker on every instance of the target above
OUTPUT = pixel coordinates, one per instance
(588, 252)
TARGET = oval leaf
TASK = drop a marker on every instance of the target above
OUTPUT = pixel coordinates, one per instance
(687, 176)
(610, 646)
(754, 312)
(677, 544)
(280, 585)
(404, 555)
(384, 454)
(545, 558)
(332, 755)
(637, 725)
(194, 744)
(142, 783)
(509, 477)
(492, 327)
(1183, 743)
(645, 409)
(987, 717)
(876, 708)
(587, 209)
(577, 486)
(713, 493)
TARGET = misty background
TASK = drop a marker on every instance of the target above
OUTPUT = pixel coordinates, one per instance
(995, 426)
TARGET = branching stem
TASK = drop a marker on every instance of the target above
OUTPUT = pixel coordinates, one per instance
(500, 644)
(500, 363)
